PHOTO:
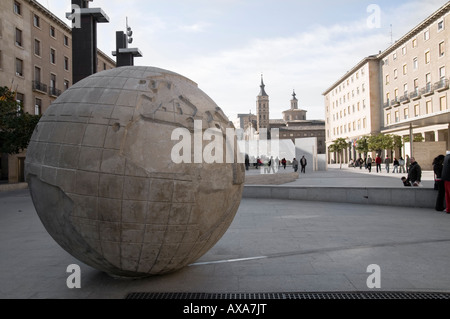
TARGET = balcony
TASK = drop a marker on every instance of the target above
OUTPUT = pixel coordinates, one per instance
(427, 90)
(415, 95)
(404, 98)
(395, 102)
(54, 92)
(441, 85)
(387, 104)
(39, 87)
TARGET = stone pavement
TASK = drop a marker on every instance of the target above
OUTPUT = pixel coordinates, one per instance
(271, 246)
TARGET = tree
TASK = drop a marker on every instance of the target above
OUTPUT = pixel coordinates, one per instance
(16, 126)
(398, 144)
(338, 146)
(362, 145)
(380, 142)
(417, 138)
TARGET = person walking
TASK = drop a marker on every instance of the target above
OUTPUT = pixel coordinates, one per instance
(378, 163)
(439, 184)
(369, 164)
(446, 178)
(303, 164)
(401, 163)
(396, 164)
(283, 162)
(387, 162)
(295, 165)
(415, 173)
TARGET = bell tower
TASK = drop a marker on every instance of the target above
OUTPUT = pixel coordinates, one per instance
(262, 108)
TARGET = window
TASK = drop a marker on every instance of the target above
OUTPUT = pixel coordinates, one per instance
(387, 79)
(426, 35)
(443, 103)
(37, 74)
(52, 56)
(416, 110)
(442, 73)
(359, 124)
(429, 107)
(404, 50)
(396, 94)
(52, 81)
(388, 119)
(428, 81)
(38, 107)
(440, 25)
(397, 116)
(18, 37)
(387, 97)
(20, 98)
(405, 69)
(414, 43)
(52, 32)
(406, 113)
(441, 48)
(394, 56)
(66, 63)
(19, 67)
(405, 88)
(427, 57)
(415, 63)
(364, 123)
(36, 21)
(416, 85)
(37, 47)
(395, 73)
(17, 8)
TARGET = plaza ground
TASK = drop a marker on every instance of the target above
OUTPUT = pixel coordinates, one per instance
(271, 246)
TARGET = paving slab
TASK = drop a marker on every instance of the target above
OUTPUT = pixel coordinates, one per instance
(271, 246)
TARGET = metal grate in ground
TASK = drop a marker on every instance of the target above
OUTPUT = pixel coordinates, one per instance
(291, 295)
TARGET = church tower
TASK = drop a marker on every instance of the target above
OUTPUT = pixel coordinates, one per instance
(294, 102)
(262, 108)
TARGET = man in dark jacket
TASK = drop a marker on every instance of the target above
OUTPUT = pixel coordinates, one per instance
(439, 184)
(446, 178)
(415, 173)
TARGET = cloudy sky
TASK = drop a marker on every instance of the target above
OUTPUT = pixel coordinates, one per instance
(225, 45)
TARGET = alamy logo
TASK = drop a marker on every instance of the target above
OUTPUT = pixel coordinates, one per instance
(374, 20)
(75, 16)
(219, 148)
(374, 280)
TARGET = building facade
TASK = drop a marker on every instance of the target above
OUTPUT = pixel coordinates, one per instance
(35, 62)
(352, 107)
(401, 91)
(415, 82)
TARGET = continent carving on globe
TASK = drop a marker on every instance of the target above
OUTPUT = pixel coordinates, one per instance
(103, 183)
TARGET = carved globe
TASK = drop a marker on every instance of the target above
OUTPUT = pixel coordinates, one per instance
(103, 181)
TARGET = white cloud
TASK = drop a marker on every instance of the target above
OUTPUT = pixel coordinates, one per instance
(196, 27)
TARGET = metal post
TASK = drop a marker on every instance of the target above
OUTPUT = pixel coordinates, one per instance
(411, 140)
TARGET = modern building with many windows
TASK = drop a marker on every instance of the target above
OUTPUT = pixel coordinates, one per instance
(404, 92)
(352, 106)
(35, 62)
(415, 82)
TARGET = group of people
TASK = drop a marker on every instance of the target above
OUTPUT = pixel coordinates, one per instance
(441, 168)
(271, 163)
(303, 163)
(399, 164)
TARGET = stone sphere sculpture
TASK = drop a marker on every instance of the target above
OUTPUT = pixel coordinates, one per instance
(103, 181)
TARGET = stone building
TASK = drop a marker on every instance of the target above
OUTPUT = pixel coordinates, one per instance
(292, 126)
(415, 83)
(403, 91)
(36, 62)
(352, 106)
